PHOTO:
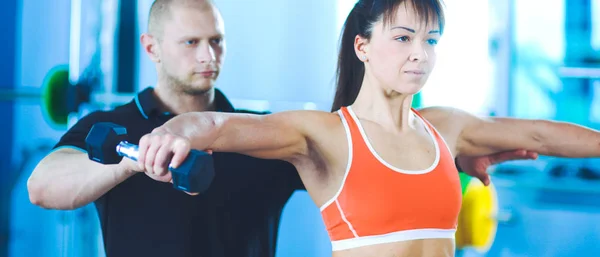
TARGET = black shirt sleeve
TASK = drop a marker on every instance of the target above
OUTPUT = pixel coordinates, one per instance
(75, 136)
(294, 181)
(290, 173)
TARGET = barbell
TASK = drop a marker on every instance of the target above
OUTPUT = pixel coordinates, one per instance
(59, 97)
(479, 215)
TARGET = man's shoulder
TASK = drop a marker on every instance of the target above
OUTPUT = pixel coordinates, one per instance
(124, 115)
(122, 112)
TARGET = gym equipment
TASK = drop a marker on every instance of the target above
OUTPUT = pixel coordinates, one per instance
(106, 143)
(55, 92)
(588, 173)
(464, 181)
(59, 97)
(54, 95)
(478, 219)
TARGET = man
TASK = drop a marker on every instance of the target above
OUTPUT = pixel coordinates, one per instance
(139, 214)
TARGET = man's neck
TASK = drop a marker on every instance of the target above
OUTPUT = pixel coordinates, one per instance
(180, 102)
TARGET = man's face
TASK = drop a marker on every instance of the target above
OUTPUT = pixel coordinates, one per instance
(191, 48)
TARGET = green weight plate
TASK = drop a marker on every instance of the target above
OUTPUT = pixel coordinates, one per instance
(54, 95)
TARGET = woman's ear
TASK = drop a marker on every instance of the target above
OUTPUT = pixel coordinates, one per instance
(360, 47)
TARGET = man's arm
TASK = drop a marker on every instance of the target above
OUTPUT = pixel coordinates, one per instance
(67, 179)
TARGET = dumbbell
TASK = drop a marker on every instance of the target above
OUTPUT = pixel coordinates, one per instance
(106, 143)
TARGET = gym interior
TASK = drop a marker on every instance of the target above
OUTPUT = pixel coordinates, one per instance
(526, 59)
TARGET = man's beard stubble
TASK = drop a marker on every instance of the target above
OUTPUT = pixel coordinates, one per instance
(186, 88)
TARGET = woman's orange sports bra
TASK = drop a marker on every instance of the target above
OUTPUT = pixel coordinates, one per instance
(378, 203)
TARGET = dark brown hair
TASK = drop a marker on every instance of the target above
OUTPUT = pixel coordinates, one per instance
(360, 21)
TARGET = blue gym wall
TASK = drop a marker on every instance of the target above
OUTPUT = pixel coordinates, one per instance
(42, 42)
(284, 52)
(8, 21)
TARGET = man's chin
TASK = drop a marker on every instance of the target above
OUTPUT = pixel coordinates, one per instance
(198, 89)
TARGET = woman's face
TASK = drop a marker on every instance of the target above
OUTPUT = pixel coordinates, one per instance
(400, 55)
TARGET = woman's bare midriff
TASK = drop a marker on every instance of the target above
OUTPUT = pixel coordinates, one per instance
(414, 248)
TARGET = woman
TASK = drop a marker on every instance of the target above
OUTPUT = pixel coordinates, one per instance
(383, 174)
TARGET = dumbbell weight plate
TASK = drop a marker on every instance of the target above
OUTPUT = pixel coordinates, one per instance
(195, 174)
(102, 140)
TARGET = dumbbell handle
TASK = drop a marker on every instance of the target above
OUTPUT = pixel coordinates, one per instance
(128, 150)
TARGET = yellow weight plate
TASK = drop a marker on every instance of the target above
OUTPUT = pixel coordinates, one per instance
(477, 223)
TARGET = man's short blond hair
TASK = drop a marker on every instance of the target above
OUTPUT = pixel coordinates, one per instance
(160, 11)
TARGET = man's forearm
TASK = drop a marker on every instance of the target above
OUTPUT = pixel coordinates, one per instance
(67, 179)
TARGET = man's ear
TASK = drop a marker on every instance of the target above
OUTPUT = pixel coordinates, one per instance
(150, 45)
(361, 48)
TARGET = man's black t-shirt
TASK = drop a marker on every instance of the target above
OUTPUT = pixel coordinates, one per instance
(238, 216)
